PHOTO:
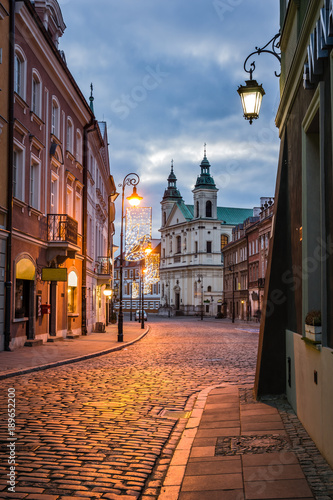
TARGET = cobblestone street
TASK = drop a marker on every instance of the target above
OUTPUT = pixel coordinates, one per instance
(95, 427)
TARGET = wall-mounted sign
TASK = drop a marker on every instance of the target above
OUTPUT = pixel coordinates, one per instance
(54, 274)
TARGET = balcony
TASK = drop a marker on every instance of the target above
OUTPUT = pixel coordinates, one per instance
(103, 270)
(62, 237)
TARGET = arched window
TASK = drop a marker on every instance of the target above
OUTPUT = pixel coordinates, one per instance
(36, 93)
(78, 154)
(197, 209)
(208, 208)
(55, 120)
(69, 135)
(209, 288)
(19, 72)
(72, 292)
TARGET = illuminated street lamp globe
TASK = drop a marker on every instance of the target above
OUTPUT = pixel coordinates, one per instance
(251, 96)
(134, 199)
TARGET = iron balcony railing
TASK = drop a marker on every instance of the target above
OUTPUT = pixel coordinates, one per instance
(103, 266)
(61, 227)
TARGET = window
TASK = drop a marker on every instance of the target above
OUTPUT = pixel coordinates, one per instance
(69, 135)
(164, 218)
(179, 244)
(78, 153)
(170, 246)
(72, 292)
(195, 247)
(208, 246)
(18, 173)
(163, 253)
(34, 198)
(55, 118)
(54, 194)
(197, 209)
(224, 241)
(208, 208)
(36, 94)
(19, 72)
(78, 211)
(69, 201)
(209, 288)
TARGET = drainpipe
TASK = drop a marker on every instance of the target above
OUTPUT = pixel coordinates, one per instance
(8, 282)
(90, 127)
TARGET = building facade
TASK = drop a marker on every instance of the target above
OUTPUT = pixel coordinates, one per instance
(5, 111)
(192, 237)
(53, 130)
(245, 264)
(299, 277)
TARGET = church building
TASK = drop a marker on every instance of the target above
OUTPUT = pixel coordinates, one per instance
(192, 237)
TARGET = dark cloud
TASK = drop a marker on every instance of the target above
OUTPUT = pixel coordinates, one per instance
(165, 76)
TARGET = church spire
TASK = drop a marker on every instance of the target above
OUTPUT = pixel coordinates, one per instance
(172, 191)
(91, 98)
(204, 180)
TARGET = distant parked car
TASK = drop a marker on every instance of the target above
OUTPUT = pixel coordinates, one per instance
(138, 315)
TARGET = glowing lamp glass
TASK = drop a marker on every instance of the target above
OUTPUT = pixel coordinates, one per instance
(251, 96)
(134, 199)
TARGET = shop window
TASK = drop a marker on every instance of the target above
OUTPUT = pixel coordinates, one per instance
(72, 292)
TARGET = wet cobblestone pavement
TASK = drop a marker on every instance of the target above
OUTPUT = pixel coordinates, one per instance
(97, 428)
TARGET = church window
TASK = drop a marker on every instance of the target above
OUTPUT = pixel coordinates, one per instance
(179, 244)
(209, 288)
(208, 208)
(197, 209)
(196, 247)
(208, 246)
(164, 218)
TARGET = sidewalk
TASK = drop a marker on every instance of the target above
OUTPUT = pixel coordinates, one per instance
(29, 359)
(234, 448)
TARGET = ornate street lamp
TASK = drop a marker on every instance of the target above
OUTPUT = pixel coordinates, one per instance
(252, 93)
(200, 280)
(134, 200)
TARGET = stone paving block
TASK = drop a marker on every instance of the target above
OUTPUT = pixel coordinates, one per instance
(204, 441)
(169, 493)
(212, 482)
(174, 475)
(218, 432)
(259, 426)
(203, 451)
(219, 423)
(273, 472)
(283, 457)
(281, 489)
(213, 467)
(212, 495)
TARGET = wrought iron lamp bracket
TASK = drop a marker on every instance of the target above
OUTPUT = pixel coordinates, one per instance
(275, 41)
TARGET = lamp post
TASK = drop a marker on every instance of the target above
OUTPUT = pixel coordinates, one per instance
(130, 180)
(107, 292)
(252, 93)
(148, 251)
(200, 280)
(232, 269)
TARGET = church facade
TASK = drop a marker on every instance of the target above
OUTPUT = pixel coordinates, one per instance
(192, 237)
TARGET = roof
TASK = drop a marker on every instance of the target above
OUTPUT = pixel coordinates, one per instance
(227, 215)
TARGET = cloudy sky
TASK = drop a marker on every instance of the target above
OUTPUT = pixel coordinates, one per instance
(165, 75)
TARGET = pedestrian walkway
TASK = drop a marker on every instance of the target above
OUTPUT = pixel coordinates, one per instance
(50, 354)
(235, 448)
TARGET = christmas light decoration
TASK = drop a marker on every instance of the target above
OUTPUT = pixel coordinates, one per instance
(152, 264)
(138, 232)
(135, 289)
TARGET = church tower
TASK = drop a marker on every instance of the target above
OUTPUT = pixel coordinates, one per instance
(205, 193)
(170, 197)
